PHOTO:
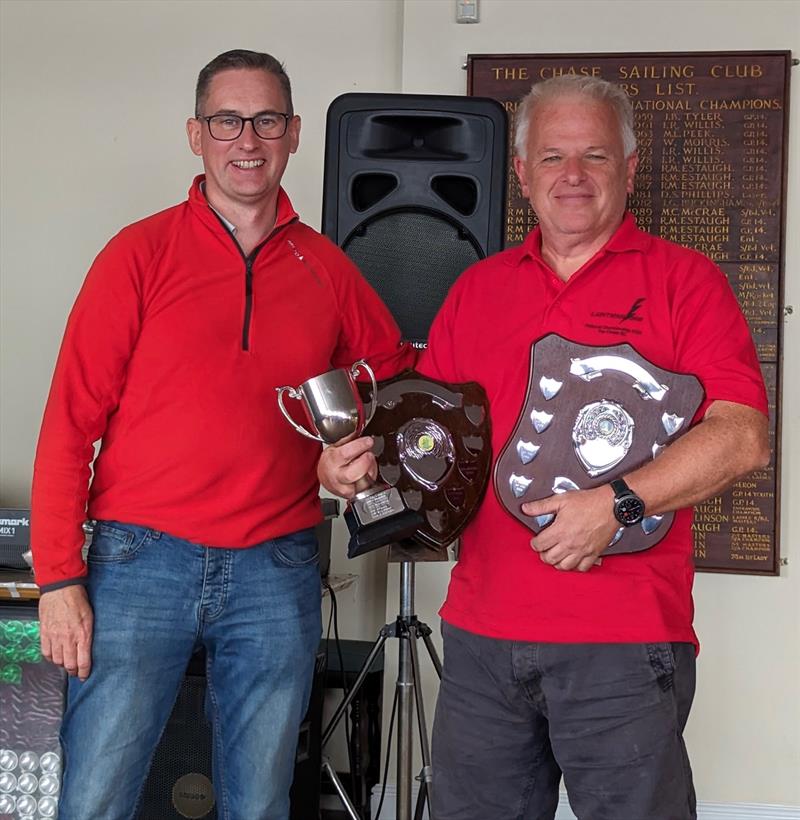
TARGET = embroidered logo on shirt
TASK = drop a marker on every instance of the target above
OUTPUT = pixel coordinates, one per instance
(302, 259)
(625, 323)
(631, 314)
(294, 249)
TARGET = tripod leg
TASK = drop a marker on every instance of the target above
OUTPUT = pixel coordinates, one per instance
(422, 796)
(349, 808)
(342, 708)
(405, 685)
(426, 775)
(434, 655)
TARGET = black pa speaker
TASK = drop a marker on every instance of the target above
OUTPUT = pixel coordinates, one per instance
(179, 782)
(414, 193)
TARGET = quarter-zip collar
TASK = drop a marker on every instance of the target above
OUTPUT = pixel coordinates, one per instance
(285, 215)
(226, 222)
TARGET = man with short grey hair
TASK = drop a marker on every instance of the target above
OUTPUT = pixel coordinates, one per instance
(556, 662)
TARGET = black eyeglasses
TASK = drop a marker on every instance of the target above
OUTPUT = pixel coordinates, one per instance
(269, 125)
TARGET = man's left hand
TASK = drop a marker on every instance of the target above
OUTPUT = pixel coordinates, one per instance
(583, 527)
(342, 465)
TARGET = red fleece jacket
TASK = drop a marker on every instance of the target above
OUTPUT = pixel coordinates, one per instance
(171, 356)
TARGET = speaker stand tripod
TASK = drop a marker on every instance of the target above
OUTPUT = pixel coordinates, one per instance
(408, 629)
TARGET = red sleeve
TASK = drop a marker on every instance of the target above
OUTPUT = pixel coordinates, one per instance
(712, 339)
(89, 376)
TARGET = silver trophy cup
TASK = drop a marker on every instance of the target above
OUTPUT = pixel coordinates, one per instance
(332, 404)
(335, 413)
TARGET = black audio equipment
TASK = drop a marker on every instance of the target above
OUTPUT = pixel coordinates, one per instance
(15, 537)
(330, 509)
(179, 783)
(414, 193)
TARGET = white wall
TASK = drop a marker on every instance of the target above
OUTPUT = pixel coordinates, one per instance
(94, 99)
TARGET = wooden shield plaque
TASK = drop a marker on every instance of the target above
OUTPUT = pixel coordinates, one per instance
(592, 414)
(432, 442)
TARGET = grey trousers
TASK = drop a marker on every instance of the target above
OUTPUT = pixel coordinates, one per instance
(512, 717)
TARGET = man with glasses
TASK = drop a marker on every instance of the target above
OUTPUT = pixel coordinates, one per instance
(204, 498)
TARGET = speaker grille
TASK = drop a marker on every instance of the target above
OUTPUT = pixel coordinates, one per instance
(411, 258)
(179, 783)
(185, 749)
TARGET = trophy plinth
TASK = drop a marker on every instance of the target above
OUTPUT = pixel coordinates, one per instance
(378, 516)
(333, 407)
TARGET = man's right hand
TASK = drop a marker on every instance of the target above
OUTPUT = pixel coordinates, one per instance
(340, 466)
(66, 621)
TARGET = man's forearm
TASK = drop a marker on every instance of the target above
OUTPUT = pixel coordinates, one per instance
(730, 442)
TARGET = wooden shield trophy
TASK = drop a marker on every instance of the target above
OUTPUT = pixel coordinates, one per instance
(592, 414)
(432, 442)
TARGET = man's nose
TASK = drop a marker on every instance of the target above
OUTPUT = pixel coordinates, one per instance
(248, 137)
(573, 170)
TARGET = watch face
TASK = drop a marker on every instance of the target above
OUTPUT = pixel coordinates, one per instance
(629, 510)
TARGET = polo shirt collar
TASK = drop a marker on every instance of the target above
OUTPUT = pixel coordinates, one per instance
(626, 238)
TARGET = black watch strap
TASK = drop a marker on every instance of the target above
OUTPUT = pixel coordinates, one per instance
(619, 487)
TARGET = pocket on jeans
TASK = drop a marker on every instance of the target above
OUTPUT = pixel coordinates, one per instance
(662, 661)
(114, 542)
(298, 549)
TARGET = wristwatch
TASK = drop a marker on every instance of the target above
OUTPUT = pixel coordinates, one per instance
(628, 507)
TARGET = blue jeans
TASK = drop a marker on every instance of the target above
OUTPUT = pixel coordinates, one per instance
(157, 599)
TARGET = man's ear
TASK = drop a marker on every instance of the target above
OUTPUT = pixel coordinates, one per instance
(294, 133)
(194, 130)
(519, 169)
(630, 171)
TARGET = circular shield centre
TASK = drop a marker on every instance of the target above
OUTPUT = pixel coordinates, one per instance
(426, 451)
(602, 435)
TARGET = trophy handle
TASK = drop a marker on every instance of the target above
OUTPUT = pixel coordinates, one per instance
(374, 399)
(294, 395)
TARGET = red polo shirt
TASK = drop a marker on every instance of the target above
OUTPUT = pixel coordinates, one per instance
(676, 308)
